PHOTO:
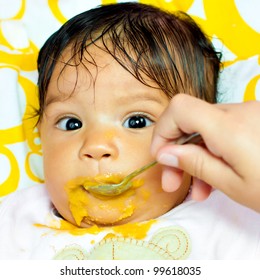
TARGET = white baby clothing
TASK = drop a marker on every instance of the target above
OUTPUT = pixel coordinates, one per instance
(217, 228)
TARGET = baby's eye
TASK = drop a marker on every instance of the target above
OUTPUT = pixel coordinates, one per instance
(137, 121)
(69, 124)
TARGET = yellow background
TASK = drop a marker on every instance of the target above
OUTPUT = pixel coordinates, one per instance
(26, 24)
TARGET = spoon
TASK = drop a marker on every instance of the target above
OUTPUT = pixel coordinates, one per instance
(115, 189)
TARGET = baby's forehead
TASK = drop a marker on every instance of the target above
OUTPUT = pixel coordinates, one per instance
(72, 66)
(101, 80)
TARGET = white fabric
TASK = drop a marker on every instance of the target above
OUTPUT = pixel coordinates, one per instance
(217, 228)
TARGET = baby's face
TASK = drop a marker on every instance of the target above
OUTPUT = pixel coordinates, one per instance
(99, 128)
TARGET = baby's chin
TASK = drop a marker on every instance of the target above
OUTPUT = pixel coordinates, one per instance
(89, 209)
(108, 214)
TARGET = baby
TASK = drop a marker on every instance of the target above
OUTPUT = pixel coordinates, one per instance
(105, 77)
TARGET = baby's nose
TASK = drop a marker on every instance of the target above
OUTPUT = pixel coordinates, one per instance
(101, 143)
(99, 151)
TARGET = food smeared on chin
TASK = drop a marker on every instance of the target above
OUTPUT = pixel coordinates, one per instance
(96, 209)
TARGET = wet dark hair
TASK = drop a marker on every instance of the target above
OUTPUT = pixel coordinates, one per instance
(153, 45)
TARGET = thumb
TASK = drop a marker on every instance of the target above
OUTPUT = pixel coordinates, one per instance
(198, 162)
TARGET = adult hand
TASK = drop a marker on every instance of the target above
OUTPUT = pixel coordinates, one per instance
(229, 160)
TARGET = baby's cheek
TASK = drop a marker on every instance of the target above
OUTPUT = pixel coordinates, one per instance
(58, 196)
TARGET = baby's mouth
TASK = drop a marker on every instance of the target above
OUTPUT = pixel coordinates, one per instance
(102, 179)
(109, 185)
(113, 185)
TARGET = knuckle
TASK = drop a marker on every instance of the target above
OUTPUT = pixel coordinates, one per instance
(198, 167)
(177, 101)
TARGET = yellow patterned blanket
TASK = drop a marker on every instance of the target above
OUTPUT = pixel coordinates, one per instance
(24, 26)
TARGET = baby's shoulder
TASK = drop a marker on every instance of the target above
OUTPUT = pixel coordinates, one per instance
(24, 200)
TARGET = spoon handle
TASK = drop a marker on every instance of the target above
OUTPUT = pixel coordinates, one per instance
(194, 138)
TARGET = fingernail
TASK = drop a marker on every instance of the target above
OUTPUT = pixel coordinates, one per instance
(169, 160)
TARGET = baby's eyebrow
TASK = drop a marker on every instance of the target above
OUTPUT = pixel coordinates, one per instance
(142, 96)
(132, 97)
(53, 99)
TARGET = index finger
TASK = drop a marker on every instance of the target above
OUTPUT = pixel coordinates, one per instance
(184, 115)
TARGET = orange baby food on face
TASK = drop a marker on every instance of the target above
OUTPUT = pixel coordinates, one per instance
(110, 134)
(92, 209)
